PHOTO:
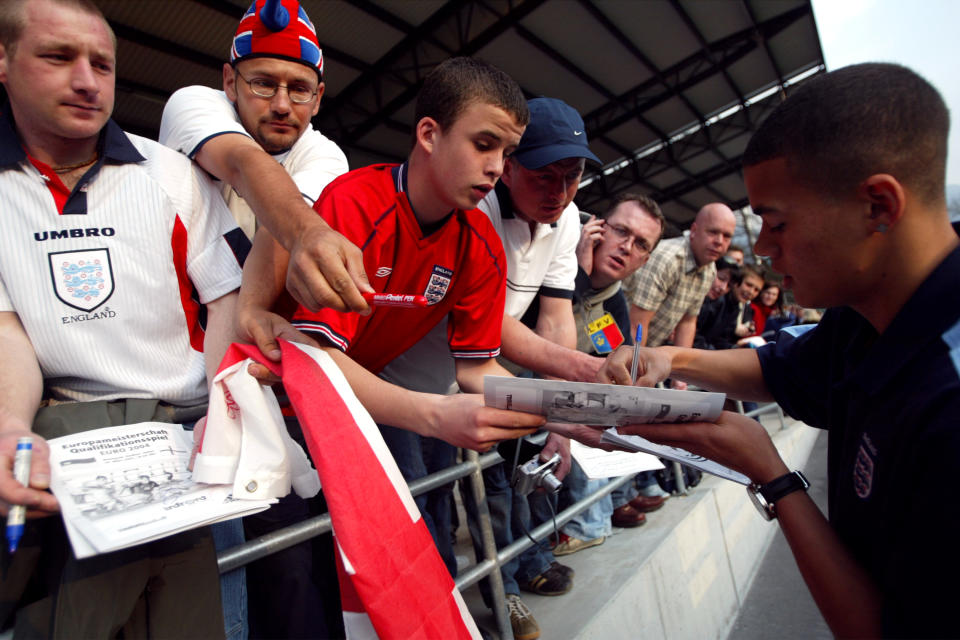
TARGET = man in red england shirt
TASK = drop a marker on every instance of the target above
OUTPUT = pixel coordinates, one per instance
(419, 231)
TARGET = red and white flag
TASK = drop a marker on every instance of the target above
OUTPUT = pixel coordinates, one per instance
(392, 580)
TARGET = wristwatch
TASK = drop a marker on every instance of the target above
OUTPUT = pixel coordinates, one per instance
(764, 496)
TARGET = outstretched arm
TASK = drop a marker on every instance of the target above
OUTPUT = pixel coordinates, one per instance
(21, 387)
(460, 419)
(325, 270)
(470, 375)
(843, 591)
(262, 287)
(735, 372)
(524, 347)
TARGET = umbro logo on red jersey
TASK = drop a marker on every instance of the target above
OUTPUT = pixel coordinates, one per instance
(383, 272)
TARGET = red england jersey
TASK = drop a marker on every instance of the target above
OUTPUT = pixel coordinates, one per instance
(459, 267)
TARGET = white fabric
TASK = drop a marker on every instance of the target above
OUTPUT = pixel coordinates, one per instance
(137, 343)
(547, 259)
(246, 444)
(196, 114)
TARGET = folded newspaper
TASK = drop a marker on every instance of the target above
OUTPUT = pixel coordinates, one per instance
(123, 486)
(611, 405)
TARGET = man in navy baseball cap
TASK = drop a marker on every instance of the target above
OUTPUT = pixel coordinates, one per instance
(532, 210)
(555, 132)
(543, 174)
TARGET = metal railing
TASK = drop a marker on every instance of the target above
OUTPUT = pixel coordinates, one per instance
(488, 566)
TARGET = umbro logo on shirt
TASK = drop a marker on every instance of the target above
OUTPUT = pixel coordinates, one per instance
(383, 272)
(59, 234)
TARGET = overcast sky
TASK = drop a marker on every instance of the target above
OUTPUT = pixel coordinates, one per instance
(921, 34)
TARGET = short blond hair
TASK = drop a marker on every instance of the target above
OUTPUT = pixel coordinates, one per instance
(13, 20)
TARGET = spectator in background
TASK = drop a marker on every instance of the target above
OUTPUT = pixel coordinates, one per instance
(611, 248)
(714, 304)
(775, 322)
(728, 275)
(667, 293)
(768, 302)
(723, 322)
(736, 253)
(751, 281)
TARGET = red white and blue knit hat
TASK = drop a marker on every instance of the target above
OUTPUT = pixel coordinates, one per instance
(267, 30)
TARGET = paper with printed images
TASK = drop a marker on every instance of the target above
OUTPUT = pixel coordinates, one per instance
(611, 405)
(123, 486)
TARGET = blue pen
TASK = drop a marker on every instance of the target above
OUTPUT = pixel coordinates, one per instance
(636, 354)
(21, 472)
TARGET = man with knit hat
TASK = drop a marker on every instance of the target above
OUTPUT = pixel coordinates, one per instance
(272, 87)
(256, 137)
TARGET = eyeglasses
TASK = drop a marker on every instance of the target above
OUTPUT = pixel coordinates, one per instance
(622, 234)
(263, 88)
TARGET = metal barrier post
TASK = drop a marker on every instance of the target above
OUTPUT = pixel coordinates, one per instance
(479, 496)
(679, 480)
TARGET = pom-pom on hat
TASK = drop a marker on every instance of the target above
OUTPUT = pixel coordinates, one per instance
(277, 29)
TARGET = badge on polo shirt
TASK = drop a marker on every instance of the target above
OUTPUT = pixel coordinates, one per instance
(604, 334)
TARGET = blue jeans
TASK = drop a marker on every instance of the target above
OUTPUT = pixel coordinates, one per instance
(594, 522)
(233, 584)
(417, 457)
(511, 516)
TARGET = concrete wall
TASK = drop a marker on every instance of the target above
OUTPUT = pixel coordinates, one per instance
(682, 575)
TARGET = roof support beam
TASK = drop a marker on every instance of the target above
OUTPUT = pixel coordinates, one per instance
(416, 58)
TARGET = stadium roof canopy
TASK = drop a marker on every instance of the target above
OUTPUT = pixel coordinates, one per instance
(669, 89)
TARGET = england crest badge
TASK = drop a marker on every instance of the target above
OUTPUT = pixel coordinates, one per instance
(438, 284)
(82, 279)
(863, 470)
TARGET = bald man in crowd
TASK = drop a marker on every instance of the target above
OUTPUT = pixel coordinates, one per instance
(666, 294)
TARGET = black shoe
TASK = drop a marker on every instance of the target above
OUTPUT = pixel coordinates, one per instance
(552, 582)
(567, 571)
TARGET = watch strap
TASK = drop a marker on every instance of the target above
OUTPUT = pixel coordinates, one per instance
(783, 486)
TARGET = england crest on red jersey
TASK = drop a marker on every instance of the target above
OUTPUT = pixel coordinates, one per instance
(438, 284)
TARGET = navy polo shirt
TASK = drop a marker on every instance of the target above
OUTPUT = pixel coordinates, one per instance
(891, 403)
